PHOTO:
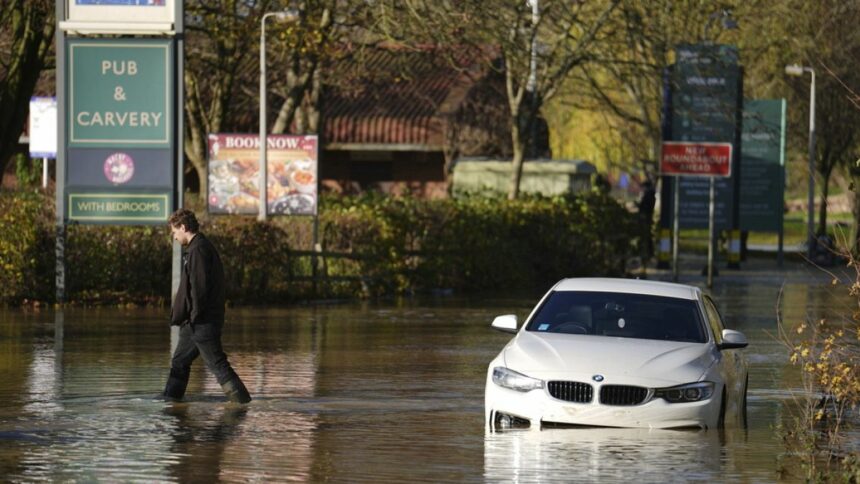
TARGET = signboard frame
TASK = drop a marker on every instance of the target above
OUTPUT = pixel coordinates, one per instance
(704, 157)
(120, 160)
(118, 92)
(233, 174)
(164, 211)
(43, 127)
(120, 16)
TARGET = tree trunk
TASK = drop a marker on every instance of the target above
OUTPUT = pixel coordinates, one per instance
(195, 143)
(517, 163)
(201, 170)
(855, 209)
(822, 209)
(31, 33)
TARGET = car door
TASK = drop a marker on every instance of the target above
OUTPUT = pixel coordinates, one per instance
(731, 363)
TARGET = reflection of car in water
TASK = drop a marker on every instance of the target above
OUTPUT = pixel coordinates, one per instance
(618, 353)
(605, 455)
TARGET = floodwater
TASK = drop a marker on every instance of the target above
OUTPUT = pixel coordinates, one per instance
(358, 392)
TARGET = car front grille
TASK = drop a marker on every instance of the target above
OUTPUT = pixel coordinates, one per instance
(622, 395)
(571, 391)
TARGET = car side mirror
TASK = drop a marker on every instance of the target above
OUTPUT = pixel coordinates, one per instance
(733, 339)
(506, 323)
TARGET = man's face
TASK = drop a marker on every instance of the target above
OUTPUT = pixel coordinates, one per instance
(180, 234)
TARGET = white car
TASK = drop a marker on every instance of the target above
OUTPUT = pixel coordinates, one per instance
(618, 353)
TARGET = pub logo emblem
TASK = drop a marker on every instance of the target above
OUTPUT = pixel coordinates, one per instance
(119, 168)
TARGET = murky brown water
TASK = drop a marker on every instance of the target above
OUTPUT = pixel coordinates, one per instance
(353, 392)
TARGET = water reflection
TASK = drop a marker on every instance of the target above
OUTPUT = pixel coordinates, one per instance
(596, 454)
(200, 439)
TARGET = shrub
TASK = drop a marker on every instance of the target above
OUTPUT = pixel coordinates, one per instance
(369, 245)
(824, 416)
(26, 247)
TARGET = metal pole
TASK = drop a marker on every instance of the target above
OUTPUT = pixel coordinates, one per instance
(60, 191)
(531, 86)
(179, 86)
(811, 200)
(676, 185)
(711, 236)
(44, 173)
(262, 180)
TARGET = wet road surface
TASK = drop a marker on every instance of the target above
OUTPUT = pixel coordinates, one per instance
(358, 392)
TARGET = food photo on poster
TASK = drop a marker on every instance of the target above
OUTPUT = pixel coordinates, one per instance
(291, 182)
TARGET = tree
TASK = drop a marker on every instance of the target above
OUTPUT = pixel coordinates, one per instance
(221, 77)
(303, 49)
(26, 38)
(219, 54)
(540, 43)
(825, 37)
(628, 82)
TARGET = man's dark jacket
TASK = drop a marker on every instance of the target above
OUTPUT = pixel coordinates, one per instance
(200, 298)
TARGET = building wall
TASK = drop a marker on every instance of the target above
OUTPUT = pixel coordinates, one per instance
(421, 173)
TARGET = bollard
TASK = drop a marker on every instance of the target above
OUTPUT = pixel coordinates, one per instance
(664, 249)
(734, 255)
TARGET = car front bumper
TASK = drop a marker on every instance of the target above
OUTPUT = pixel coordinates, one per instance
(539, 408)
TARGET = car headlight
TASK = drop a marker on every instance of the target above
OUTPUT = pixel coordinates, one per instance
(691, 392)
(515, 381)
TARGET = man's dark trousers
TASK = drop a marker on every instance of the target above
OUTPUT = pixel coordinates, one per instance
(201, 339)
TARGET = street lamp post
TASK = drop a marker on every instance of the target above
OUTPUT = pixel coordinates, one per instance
(285, 15)
(797, 70)
(531, 85)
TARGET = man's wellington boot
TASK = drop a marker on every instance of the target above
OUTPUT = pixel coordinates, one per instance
(236, 391)
(176, 384)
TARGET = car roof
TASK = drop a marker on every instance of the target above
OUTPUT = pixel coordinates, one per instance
(629, 286)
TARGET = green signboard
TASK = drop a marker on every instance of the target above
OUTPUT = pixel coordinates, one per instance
(704, 108)
(130, 208)
(120, 93)
(763, 166)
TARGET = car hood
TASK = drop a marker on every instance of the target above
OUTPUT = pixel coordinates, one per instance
(619, 360)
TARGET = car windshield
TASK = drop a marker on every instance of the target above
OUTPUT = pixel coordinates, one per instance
(618, 314)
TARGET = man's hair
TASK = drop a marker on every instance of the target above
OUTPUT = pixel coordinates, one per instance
(185, 217)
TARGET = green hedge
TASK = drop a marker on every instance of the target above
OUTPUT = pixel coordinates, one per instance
(393, 245)
(26, 247)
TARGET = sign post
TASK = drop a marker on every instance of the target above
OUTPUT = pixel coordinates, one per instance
(701, 133)
(43, 132)
(120, 130)
(702, 159)
(119, 72)
(763, 175)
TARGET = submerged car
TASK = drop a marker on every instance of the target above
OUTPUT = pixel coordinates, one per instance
(618, 353)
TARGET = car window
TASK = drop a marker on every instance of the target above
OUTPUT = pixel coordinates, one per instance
(714, 320)
(619, 314)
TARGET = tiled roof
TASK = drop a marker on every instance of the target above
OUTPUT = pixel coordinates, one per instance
(396, 96)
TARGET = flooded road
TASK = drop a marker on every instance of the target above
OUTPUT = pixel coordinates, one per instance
(359, 392)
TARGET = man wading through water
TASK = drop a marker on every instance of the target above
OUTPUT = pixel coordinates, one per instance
(198, 310)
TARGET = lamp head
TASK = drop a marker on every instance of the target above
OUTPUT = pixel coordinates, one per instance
(794, 70)
(287, 15)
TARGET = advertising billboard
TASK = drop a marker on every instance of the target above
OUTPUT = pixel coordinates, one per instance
(119, 146)
(234, 171)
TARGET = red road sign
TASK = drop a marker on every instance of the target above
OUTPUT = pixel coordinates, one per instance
(696, 159)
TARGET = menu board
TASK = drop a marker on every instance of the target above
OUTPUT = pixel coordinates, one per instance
(234, 174)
